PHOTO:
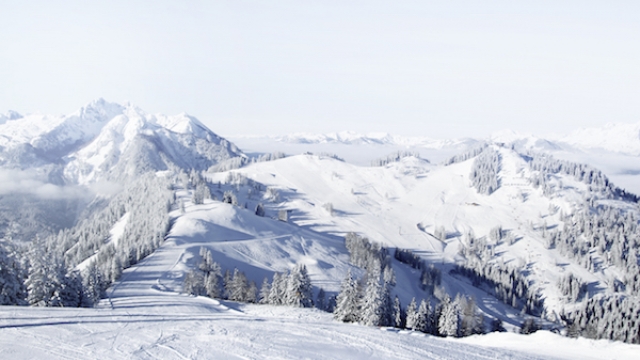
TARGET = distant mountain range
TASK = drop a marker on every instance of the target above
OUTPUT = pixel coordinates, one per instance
(615, 137)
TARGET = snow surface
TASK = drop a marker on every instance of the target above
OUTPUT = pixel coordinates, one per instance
(183, 327)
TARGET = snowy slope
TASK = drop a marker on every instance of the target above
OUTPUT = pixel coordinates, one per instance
(181, 327)
(387, 204)
(144, 314)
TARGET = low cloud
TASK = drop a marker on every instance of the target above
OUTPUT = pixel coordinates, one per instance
(29, 182)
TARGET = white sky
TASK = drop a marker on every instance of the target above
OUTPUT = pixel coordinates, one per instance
(431, 68)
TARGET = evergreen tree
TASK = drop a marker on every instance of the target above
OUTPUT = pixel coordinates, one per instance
(299, 291)
(238, 286)
(278, 287)
(226, 283)
(397, 314)
(422, 316)
(496, 325)
(72, 293)
(194, 283)
(12, 289)
(265, 289)
(251, 295)
(321, 301)
(46, 278)
(93, 284)
(448, 321)
(389, 276)
(212, 285)
(346, 309)
(471, 321)
(371, 303)
(411, 317)
(529, 326)
(386, 308)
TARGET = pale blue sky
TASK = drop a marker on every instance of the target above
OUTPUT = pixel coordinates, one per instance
(440, 69)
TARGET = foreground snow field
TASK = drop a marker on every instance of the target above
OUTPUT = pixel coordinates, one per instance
(143, 317)
(180, 327)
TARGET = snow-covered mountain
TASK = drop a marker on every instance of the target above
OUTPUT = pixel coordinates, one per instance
(105, 140)
(9, 115)
(47, 161)
(616, 137)
(354, 138)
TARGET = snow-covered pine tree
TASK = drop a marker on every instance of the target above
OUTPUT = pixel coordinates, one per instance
(346, 309)
(397, 314)
(12, 289)
(93, 284)
(471, 321)
(46, 277)
(371, 302)
(529, 326)
(389, 276)
(72, 293)
(265, 289)
(422, 317)
(278, 287)
(448, 321)
(212, 285)
(194, 283)
(299, 292)
(238, 286)
(484, 172)
(251, 296)
(411, 316)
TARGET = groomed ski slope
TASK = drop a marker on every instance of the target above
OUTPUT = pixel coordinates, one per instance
(179, 327)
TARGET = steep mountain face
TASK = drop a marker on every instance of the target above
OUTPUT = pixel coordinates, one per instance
(60, 155)
(49, 138)
(109, 141)
(9, 115)
(134, 142)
